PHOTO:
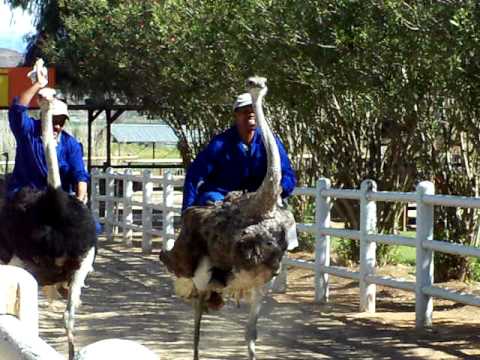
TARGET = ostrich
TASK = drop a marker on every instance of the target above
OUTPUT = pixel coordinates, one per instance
(50, 233)
(234, 248)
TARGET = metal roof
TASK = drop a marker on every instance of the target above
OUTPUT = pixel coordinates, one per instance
(144, 133)
(10, 58)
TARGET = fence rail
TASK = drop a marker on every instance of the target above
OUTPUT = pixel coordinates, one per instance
(367, 195)
(118, 193)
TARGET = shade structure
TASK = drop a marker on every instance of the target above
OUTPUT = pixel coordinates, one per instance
(144, 133)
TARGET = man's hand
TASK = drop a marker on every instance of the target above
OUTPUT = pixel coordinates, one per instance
(81, 192)
(39, 77)
(39, 74)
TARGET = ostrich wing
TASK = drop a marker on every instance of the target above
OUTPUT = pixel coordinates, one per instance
(231, 241)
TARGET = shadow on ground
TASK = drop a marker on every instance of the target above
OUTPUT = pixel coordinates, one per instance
(130, 297)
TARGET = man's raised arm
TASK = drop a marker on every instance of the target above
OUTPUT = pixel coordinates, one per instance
(28, 94)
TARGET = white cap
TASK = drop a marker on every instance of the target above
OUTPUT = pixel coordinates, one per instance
(59, 108)
(242, 100)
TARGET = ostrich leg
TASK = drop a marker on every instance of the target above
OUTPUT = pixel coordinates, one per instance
(75, 289)
(198, 306)
(251, 330)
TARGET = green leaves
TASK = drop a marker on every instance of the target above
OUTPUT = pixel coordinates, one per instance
(366, 88)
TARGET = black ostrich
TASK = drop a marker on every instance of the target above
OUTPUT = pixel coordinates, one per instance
(50, 233)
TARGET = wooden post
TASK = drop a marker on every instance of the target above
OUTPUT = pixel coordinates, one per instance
(368, 224)
(89, 140)
(322, 242)
(109, 191)
(116, 207)
(108, 112)
(127, 216)
(167, 214)
(424, 261)
(147, 212)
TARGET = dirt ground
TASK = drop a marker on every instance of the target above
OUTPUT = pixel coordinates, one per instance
(130, 296)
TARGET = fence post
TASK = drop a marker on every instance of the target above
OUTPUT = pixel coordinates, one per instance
(424, 257)
(19, 296)
(109, 192)
(147, 187)
(127, 216)
(368, 224)
(115, 207)
(322, 242)
(168, 214)
(94, 208)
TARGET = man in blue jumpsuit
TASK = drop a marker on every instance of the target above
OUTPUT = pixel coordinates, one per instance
(30, 163)
(234, 160)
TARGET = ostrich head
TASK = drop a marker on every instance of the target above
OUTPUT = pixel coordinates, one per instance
(257, 86)
(45, 97)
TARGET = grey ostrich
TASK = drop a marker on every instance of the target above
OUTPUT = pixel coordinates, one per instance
(50, 233)
(236, 247)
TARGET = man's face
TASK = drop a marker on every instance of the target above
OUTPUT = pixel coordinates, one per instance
(245, 120)
(58, 124)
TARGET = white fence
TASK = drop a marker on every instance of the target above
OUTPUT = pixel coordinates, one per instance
(368, 196)
(423, 286)
(108, 195)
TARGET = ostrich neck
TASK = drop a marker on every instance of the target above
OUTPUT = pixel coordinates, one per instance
(266, 197)
(50, 147)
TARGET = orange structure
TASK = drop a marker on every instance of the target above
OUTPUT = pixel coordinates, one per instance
(13, 81)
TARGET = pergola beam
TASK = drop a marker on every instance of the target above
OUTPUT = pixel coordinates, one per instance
(112, 111)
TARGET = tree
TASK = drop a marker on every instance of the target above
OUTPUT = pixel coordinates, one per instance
(358, 89)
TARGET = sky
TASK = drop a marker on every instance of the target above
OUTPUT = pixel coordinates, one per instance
(14, 25)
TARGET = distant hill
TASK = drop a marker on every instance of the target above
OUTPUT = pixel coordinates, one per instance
(10, 58)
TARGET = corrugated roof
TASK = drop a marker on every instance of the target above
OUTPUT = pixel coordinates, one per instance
(10, 58)
(144, 133)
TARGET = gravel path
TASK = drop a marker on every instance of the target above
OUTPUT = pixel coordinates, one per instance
(130, 297)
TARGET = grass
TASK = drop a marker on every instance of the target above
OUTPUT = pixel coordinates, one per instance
(405, 254)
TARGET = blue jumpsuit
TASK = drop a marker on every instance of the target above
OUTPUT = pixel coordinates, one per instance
(30, 163)
(228, 164)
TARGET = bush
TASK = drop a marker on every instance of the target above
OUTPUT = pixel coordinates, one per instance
(348, 252)
(476, 270)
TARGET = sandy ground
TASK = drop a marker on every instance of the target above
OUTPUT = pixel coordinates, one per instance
(130, 297)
